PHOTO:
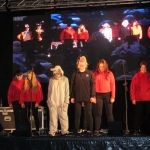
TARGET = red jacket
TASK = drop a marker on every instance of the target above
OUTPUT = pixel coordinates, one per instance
(27, 96)
(140, 87)
(67, 33)
(14, 90)
(103, 85)
(82, 35)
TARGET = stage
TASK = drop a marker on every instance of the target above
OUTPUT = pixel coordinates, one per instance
(73, 142)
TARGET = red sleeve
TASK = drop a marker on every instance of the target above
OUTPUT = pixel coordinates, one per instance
(75, 36)
(39, 93)
(22, 95)
(132, 88)
(87, 35)
(112, 86)
(148, 32)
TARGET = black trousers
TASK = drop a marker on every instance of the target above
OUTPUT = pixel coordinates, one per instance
(141, 108)
(103, 98)
(17, 112)
(88, 111)
(27, 113)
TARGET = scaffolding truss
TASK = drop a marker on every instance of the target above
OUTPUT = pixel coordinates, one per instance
(19, 5)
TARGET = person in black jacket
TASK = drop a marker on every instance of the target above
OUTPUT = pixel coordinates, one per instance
(82, 90)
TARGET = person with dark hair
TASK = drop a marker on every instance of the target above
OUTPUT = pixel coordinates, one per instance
(39, 35)
(105, 93)
(140, 94)
(14, 96)
(30, 98)
(57, 101)
(124, 30)
(25, 35)
(82, 90)
(67, 37)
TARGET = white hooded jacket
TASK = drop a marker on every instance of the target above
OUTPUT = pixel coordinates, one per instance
(58, 89)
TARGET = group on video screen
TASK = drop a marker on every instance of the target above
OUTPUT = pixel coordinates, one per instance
(120, 36)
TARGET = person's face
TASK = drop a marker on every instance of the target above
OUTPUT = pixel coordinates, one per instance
(125, 23)
(101, 67)
(143, 69)
(57, 75)
(134, 23)
(82, 63)
(29, 76)
(82, 27)
(27, 29)
(19, 77)
(38, 27)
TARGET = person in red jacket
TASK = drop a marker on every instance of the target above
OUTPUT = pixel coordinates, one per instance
(14, 96)
(140, 94)
(105, 93)
(81, 36)
(30, 97)
(67, 37)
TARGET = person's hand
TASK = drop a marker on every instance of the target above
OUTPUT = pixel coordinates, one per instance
(72, 100)
(82, 104)
(112, 100)
(10, 105)
(23, 105)
(133, 102)
(93, 100)
(36, 105)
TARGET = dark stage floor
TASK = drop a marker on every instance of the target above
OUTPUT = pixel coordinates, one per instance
(73, 142)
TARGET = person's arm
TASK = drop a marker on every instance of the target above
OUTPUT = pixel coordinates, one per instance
(132, 90)
(140, 31)
(86, 36)
(39, 93)
(92, 86)
(66, 91)
(148, 32)
(72, 94)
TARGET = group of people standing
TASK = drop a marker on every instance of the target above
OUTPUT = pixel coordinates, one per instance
(87, 88)
(25, 94)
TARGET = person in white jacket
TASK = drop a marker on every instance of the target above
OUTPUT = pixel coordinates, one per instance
(57, 101)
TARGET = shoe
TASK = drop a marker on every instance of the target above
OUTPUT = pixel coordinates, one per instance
(136, 132)
(96, 133)
(51, 134)
(66, 134)
(84, 130)
(36, 133)
(79, 131)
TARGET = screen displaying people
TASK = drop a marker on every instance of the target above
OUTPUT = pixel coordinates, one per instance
(58, 38)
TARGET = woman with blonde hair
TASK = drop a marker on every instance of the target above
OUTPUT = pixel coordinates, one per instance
(105, 93)
(81, 36)
(30, 97)
(82, 90)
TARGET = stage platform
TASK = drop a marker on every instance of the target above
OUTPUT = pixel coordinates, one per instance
(73, 142)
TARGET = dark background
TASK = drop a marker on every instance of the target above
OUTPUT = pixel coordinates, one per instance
(6, 74)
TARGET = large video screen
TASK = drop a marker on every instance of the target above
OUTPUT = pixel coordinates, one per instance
(120, 36)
